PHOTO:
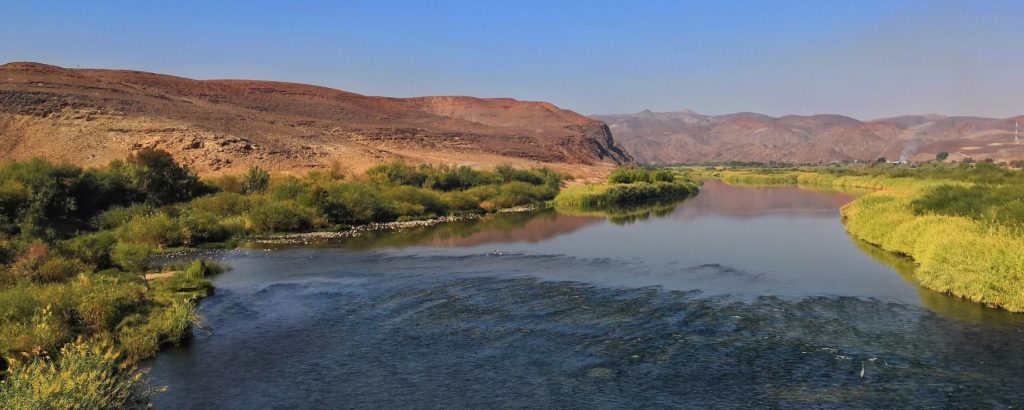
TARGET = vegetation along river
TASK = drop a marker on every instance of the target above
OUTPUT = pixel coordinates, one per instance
(737, 297)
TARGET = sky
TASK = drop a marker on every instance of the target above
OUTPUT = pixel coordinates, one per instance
(867, 59)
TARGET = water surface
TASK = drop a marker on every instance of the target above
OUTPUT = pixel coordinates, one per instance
(739, 297)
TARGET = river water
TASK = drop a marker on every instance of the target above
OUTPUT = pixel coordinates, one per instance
(739, 297)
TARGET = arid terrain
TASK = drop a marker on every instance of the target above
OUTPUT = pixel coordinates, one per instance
(686, 136)
(92, 116)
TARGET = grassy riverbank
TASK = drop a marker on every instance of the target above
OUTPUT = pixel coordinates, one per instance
(625, 186)
(81, 302)
(961, 224)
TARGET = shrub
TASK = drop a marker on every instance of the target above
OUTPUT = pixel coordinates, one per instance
(29, 326)
(256, 181)
(157, 230)
(629, 175)
(92, 248)
(398, 173)
(202, 227)
(101, 305)
(227, 183)
(221, 204)
(273, 216)
(155, 173)
(411, 201)
(86, 375)
(460, 202)
(453, 179)
(354, 203)
(288, 189)
(58, 268)
(132, 257)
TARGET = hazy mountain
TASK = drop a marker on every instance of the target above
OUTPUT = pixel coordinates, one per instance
(686, 136)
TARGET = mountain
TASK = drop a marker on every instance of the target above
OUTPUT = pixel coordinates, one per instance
(91, 116)
(689, 137)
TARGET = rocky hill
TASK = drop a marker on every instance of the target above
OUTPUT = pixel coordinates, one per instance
(90, 116)
(689, 137)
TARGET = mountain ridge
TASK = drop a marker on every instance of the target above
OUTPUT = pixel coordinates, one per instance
(91, 116)
(688, 137)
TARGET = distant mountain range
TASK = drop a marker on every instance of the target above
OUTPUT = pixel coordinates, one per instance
(90, 116)
(689, 137)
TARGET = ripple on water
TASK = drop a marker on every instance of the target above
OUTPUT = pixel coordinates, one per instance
(522, 342)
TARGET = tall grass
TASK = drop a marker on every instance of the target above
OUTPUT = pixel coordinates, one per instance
(84, 375)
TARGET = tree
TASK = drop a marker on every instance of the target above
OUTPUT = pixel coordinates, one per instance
(133, 257)
(163, 181)
(881, 160)
(941, 156)
(256, 180)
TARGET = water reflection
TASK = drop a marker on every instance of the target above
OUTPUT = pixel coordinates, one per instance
(720, 199)
(627, 214)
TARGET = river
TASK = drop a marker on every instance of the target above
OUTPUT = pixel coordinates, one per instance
(738, 297)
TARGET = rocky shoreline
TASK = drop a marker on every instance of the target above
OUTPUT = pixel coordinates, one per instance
(307, 237)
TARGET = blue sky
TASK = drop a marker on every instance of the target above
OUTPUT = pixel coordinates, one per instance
(867, 59)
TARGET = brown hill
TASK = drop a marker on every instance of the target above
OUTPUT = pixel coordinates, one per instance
(688, 137)
(89, 117)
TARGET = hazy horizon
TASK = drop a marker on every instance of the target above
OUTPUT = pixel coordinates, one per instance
(867, 60)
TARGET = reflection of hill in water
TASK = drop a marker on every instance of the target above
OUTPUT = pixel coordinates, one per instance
(530, 228)
(501, 228)
(628, 213)
(719, 199)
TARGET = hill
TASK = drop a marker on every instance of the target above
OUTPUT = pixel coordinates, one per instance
(92, 116)
(686, 136)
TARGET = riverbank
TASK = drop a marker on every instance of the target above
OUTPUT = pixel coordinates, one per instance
(396, 226)
(977, 258)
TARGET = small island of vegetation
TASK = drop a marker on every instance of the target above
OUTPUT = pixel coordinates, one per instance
(628, 185)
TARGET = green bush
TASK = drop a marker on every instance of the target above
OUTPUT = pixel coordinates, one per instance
(457, 201)
(629, 175)
(117, 216)
(203, 227)
(398, 173)
(157, 230)
(222, 204)
(86, 375)
(411, 201)
(59, 268)
(92, 248)
(354, 203)
(256, 181)
(288, 189)
(155, 173)
(132, 257)
(274, 216)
